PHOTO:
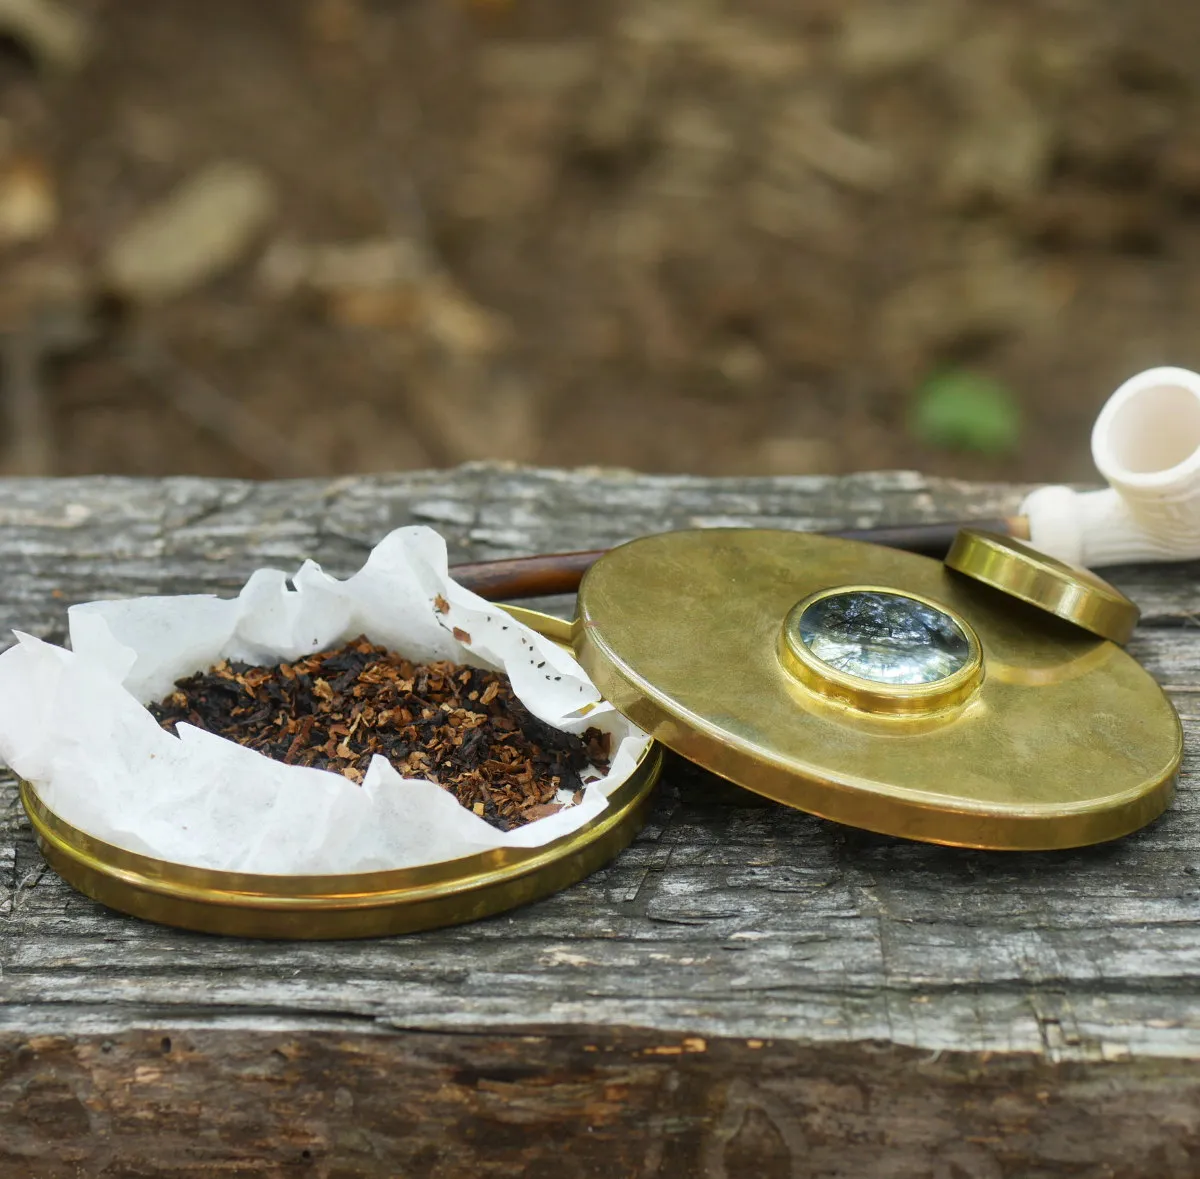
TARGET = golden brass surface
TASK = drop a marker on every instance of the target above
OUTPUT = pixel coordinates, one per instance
(557, 630)
(1073, 594)
(363, 904)
(870, 695)
(1066, 740)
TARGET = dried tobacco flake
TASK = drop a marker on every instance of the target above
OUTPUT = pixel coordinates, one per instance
(460, 727)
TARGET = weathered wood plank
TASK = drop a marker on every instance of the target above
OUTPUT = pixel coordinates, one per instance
(74, 539)
(614, 1106)
(728, 919)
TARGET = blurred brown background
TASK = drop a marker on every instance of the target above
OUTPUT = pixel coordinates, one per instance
(781, 236)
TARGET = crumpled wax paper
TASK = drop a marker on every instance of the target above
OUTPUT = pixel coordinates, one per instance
(73, 723)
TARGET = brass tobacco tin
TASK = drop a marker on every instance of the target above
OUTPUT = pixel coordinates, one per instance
(364, 904)
(878, 688)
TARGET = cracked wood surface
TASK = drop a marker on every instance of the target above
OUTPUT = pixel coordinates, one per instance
(730, 922)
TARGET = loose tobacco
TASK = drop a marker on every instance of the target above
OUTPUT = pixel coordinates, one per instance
(460, 727)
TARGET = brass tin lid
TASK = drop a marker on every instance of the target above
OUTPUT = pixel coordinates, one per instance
(877, 688)
(1073, 594)
(353, 905)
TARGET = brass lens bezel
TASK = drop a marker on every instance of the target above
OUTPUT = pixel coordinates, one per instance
(875, 696)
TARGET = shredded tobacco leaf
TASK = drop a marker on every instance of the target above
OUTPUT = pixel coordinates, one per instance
(460, 727)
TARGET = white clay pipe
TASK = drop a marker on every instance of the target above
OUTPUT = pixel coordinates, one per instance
(1146, 443)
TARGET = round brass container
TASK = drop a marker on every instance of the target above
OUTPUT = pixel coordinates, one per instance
(363, 904)
(1062, 740)
(1072, 594)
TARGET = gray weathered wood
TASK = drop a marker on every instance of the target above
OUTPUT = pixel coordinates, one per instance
(868, 966)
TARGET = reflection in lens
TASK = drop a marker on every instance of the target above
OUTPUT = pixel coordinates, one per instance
(887, 638)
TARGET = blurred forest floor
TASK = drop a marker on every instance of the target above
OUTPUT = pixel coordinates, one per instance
(672, 235)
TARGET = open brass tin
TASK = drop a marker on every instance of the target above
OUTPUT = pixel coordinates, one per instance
(883, 690)
(366, 904)
(983, 706)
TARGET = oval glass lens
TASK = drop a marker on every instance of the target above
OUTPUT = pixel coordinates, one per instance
(885, 638)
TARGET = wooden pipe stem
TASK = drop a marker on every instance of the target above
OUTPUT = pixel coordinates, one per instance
(561, 573)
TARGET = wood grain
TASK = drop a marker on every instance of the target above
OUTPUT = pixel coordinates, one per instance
(625, 1105)
(938, 999)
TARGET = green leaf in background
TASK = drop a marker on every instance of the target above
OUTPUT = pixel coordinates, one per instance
(960, 410)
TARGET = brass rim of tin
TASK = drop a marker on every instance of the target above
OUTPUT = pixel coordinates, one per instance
(1067, 741)
(352, 905)
(872, 696)
(1070, 593)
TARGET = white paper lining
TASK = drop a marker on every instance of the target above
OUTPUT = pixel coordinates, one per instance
(73, 723)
